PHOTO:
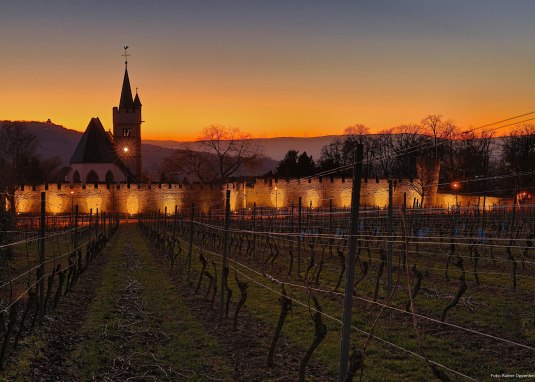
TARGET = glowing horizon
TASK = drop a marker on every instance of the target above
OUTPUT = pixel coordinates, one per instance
(273, 70)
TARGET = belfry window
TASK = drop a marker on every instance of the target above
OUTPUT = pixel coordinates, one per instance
(127, 132)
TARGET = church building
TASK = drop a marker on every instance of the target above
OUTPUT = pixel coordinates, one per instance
(105, 157)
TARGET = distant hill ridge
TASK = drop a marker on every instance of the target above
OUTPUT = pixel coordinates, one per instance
(57, 140)
(274, 148)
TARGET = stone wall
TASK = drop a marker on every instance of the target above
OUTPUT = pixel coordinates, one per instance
(134, 199)
(317, 192)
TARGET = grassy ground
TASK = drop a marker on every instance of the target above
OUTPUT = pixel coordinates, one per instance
(382, 365)
(137, 325)
(129, 324)
(491, 307)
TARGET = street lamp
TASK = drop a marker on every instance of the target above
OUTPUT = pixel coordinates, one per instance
(456, 186)
(125, 154)
(72, 204)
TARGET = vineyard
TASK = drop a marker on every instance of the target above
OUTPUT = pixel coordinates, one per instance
(42, 261)
(455, 301)
(437, 294)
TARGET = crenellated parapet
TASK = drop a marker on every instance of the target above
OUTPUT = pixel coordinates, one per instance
(317, 192)
(268, 192)
(125, 198)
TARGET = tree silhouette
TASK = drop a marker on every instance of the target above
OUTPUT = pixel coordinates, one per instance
(231, 146)
(18, 160)
(294, 165)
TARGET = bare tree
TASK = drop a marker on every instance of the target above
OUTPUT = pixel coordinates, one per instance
(189, 162)
(439, 129)
(407, 141)
(519, 153)
(358, 134)
(426, 177)
(231, 146)
(332, 155)
(485, 147)
(17, 158)
(357, 130)
(432, 125)
(49, 169)
(384, 150)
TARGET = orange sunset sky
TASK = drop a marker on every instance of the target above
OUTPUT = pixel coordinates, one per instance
(277, 68)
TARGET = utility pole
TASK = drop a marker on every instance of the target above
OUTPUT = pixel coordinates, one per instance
(351, 260)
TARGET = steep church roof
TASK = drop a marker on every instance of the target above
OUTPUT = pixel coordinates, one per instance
(137, 102)
(95, 146)
(126, 103)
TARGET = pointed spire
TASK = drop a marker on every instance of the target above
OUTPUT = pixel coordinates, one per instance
(137, 102)
(126, 103)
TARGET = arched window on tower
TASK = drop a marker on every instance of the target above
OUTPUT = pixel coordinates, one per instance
(76, 177)
(91, 177)
(109, 177)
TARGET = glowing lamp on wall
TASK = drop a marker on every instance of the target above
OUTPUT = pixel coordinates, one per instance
(455, 186)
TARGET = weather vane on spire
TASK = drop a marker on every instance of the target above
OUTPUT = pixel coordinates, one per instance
(126, 55)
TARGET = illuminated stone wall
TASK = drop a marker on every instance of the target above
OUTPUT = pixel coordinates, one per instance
(131, 199)
(317, 192)
(265, 192)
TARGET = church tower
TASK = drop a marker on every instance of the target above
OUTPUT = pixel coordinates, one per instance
(127, 126)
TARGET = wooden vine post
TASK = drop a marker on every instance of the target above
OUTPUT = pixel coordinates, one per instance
(190, 252)
(225, 256)
(164, 237)
(299, 237)
(511, 242)
(75, 238)
(351, 260)
(173, 239)
(330, 216)
(96, 225)
(254, 230)
(390, 239)
(42, 229)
